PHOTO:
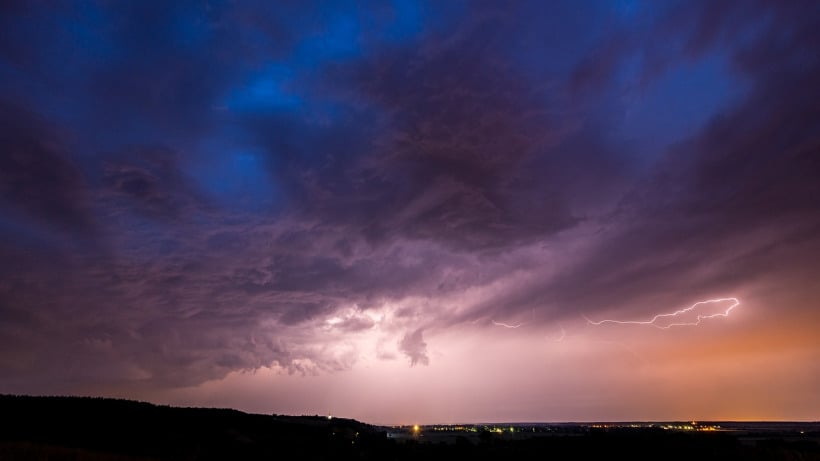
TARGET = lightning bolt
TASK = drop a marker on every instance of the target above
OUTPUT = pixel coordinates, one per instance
(507, 325)
(560, 338)
(734, 303)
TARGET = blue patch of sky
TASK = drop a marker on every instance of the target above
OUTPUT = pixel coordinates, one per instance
(190, 28)
(409, 17)
(339, 38)
(64, 47)
(88, 33)
(680, 102)
(626, 9)
(341, 33)
(271, 89)
(73, 46)
(274, 87)
(549, 39)
(236, 179)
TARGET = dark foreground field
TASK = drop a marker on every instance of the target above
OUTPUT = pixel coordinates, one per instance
(64, 428)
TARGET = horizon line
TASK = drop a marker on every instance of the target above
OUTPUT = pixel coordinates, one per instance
(507, 422)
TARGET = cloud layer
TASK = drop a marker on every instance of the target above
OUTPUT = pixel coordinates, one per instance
(196, 191)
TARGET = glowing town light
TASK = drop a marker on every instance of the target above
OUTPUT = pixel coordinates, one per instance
(734, 303)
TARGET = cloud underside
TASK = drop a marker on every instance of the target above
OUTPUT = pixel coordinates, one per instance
(257, 193)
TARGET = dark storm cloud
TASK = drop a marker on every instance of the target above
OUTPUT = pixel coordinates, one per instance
(729, 204)
(263, 185)
(444, 142)
(148, 180)
(188, 291)
(414, 347)
(464, 132)
(38, 178)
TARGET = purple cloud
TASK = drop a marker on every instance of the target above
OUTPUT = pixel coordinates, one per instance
(192, 193)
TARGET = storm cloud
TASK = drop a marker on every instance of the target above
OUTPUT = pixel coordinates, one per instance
(193, 191)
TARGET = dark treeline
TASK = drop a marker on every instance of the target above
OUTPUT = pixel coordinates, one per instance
(72, 428)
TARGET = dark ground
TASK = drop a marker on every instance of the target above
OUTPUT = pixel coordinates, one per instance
(72, 428)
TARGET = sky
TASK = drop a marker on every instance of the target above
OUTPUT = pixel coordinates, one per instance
(414, 212)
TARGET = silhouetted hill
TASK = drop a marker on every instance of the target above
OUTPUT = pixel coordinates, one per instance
(105, 427)
(98, 429)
